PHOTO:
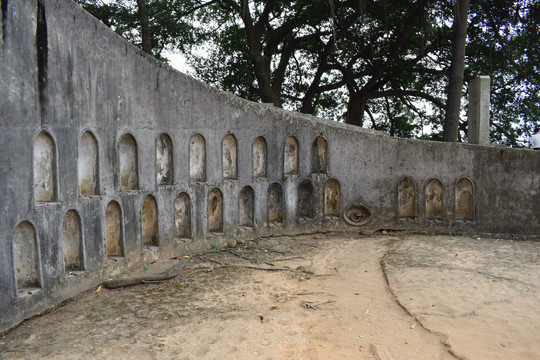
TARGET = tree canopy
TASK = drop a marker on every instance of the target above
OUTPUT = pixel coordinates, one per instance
(379, 64)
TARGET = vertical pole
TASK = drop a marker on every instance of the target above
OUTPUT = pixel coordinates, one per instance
(479, 110)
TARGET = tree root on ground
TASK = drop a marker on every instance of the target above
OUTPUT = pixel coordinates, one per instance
(146, 278)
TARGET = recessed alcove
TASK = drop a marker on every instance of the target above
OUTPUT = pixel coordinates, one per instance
(290, 156)
(434, 199)
(406, 199)
(228, 153)
(44, 168)
(72, 242)
(182, 216)
(114, 233)
(319, 156)
(464, 194)
(246, 207)
(164, 160)
(306, 200)
(197, 158)
(150, 222)
(275, 203)
(88, 164)
(215, 211)
(26, 259)
(259, 157)
(332, 198)
(129, 163)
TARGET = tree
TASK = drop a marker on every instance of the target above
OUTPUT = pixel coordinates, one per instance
(455, 81)
(385, 65)
(153, 25)
(145, 26)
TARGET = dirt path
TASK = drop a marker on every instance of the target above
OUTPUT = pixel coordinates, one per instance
(482, 295)
(332, 303)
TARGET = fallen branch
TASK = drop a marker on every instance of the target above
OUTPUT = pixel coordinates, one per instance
(307, 304)
(290, 258)
(260, 268)
(146, 278)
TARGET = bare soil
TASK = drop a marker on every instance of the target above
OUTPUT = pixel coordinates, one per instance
(304, 297)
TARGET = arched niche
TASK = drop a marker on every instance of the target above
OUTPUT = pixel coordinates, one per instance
(319, 156)
(306, 200)
(182, 216)
(129, 163)
(88, 164)
(26, 258)
(228, 153)
(332, 198)
(197, 158)
(259, 157)
(434, 199)
(275, 203)
(44, 168)
(464, 194)
(215, 211)
(164, 160)
(114, 233)
(406, 199)
(246, 207)
(290, 159)
(72, 242)
(150, 223)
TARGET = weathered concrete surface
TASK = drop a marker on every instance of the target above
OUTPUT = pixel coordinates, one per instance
(334, 303)
(86, 120)
(478, 116)
(482, 295)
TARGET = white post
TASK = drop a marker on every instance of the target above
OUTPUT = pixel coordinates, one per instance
(479, 110)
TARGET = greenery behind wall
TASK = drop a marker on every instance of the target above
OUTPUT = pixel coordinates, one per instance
(383, 64)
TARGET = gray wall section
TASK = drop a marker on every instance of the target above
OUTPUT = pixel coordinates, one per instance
(94, 80)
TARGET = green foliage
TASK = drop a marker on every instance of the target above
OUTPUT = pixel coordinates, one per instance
(168, 28)
(377, 64)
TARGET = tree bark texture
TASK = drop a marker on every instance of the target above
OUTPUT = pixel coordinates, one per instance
(455, 76)
(145, 26)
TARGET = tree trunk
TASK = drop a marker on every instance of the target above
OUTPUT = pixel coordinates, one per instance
(355, 109)
(145, 26)
(455, 80)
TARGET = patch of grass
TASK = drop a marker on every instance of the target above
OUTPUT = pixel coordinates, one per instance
(215, 249)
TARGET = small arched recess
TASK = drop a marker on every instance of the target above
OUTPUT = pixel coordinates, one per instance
(197, 158)
(332, 198)
(114, 232)
(44, 167)
(129, 163)
(306, 200)
(464, 194)
(319, 156)
(26, 259)
(72, 242)
(150, 221)
(182, 216)
(406, 199)
(228, 154)
(88, 164)
(164, 160)
(246, 207)
(434, 199)
(290, 160)
(259, 157)
(215, 211)
(275, 203)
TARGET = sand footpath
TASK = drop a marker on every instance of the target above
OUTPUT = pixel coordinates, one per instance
(311, 297)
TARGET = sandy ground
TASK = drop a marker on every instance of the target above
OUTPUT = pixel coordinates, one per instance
(311, 297)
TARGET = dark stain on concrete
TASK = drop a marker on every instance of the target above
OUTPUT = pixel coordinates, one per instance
(42, 54)
(3, 17)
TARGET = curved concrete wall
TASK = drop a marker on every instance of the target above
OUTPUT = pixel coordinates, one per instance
(110, 159)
